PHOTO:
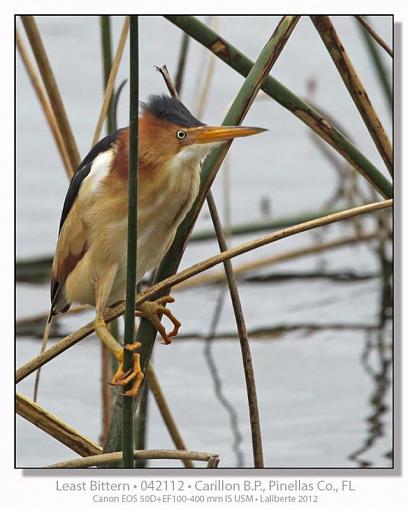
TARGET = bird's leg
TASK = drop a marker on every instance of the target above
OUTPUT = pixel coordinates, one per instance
(121, 378)
(152, 311)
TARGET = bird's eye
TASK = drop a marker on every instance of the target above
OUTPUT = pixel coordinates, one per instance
(181, 134)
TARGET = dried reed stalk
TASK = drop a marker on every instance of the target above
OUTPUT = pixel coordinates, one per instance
(45, 105)
(51, 87)
(374, 35)
(219, 276)
(112, 458)
(55, 427)
(162, 286)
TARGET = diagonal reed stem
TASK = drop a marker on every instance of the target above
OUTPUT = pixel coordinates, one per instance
(320, 125)
(374, 35)
(215, 277)
(55, 427)
(378, 62)
(342, 61)
(128, 412)
(51, 87)
(191, 271)
(45, 104)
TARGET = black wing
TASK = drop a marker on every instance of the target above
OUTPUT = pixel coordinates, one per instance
(83, 171)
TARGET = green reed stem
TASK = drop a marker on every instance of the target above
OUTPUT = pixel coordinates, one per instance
(128, 404)
(106, 41)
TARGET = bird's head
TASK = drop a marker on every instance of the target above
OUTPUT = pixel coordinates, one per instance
(170, 133)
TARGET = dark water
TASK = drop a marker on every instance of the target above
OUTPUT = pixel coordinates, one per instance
(323, 363)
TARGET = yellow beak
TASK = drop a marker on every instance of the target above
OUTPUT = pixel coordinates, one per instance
(208, 134)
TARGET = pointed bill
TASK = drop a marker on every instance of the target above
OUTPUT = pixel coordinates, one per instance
(209, 134)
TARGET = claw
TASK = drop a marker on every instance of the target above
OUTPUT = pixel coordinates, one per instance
(152, 309)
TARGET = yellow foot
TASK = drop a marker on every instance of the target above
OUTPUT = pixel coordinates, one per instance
(135, 374)
(153, 309)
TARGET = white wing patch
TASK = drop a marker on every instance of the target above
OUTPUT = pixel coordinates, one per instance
(100, 168)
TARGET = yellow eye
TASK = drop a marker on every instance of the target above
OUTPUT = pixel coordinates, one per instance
(181, 134)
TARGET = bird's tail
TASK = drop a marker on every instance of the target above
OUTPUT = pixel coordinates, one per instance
(44, 341)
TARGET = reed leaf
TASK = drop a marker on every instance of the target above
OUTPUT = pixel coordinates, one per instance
(320, 125)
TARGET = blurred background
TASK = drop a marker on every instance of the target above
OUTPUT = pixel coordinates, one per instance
(319, 326)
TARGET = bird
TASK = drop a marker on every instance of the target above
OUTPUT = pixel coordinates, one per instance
(89, 265)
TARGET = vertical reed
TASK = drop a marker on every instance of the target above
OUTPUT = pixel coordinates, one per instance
(128, 418)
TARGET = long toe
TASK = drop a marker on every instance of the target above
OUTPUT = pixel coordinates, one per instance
(152, 310)
(135, 374)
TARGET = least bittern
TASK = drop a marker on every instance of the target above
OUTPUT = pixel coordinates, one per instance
(90, 260)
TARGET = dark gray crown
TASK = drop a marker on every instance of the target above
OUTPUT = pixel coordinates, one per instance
(172, 110)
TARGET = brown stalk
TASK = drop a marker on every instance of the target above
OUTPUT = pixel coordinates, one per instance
(356, 89)
(111, 81)
(51, 87)
(106, 458)
(45, 105)
(200, 267)
(167, 79)
(375, 36)
(243, 339)
(55, 427)
(155, 388)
